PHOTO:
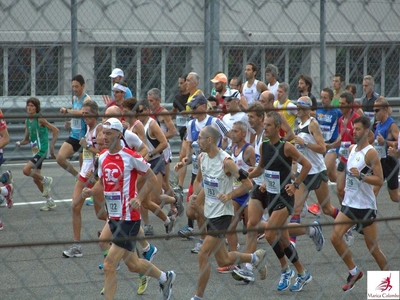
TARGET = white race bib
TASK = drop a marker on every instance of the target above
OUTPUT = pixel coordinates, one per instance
(352, 182)
(34, 148)
(182, 121)
(75, 123)
(273, 179)
(114, 204)
(381, 149)
(210, 187)
(326, 132)
(260, 179)
(87, 155)
(370, 115)
(344, 149)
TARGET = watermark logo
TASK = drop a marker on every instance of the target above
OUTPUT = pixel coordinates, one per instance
(383, 285)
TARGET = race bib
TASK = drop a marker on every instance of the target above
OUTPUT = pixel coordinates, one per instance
(301, 149)
(75, 123)
(326, 132)
(87, 155)
(34, 147)
(260, 179)
(195, 155)
(352, 182)
(211, 188)
(114, 204)
(273, 179)
(370, 115)
(381, 149)
(182, 121)
(344, 149)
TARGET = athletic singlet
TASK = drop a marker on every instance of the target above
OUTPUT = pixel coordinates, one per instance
(250, 93)
(358, 194)
(152, 143)
(316, 159)
(190, 99)
(215, 182)
(277, 166)
(328, 122)
(346, 135)
(258, 140)
(78, 125)
(134, 124)
(290, 118)
(195, 145)
(242, 164)
(38, 136)
(383, 129)
(88, 156)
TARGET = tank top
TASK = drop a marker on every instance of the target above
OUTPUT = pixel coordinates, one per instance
(215, 182)
(242, 164)
(258, 140)
(88, 156)
(195, 146)
(190, 99)
(78, 125)
(328, 122)
(38, 136)
(316, 159)
(383, 129)
(250, 93)
(346, 136)
(290, 118)
(278, 167)
(151, 143)
(358, 193)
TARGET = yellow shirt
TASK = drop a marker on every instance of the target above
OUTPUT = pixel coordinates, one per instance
(191, 97)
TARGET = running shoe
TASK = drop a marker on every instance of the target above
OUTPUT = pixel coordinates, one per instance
(348, 237)
(49, 205)
(7, 178)
(197, 247)
(1, 225)
(143, 281)
(243, 274)
(179, 204)
(149, 255)
(351, 281)
(260, 237)
(170, 226)
(315, 209)
(301, 281)
(166, 287)
(260, 265)
(186, 232)
(74, 251)
(89, 201)
(304, 210)
(47, 186)
(286, 277)
(226, 270)
(318, 237)
(9, 197)
(148, 230)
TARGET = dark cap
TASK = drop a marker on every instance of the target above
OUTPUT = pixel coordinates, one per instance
(199, 99)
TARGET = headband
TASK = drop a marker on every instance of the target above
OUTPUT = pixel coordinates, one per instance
(120, 87)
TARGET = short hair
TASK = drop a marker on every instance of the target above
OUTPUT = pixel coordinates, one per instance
(183, 76)
(276, 116)
(212, 98)
(79, 78)
(123, 83)
(196, 76)
(257, 108)
(35, 101)
(242, 125)
(284, 85)
(348, 96)
(341, 77)
(329, 91)
(155, 92)
(307, 79)
(113, 111)
(213, 133)
(94, 107)
(253, 66)
(365, 121)
(383, 103)
(271, 95)
(351, 87)
(145, 103)
(270, 68)
(370, 78)
(130, 103)
(239, 80)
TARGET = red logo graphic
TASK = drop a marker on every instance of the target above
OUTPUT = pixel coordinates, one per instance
(385, 284)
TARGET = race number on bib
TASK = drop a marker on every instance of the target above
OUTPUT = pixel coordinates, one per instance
(370, 115)
(381, 149)
(273, 179)
(352, 182)
(344, 149)
(210, 187)
(326, 132)
(182, 121)
(75, 123)
(34, 148)
(87, 155)
(114, 204)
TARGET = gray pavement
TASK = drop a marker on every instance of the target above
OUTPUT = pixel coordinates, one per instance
(41, 272)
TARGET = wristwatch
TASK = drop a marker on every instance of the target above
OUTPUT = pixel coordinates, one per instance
(150, 154)
(362, 177)
(306, 144)
(296, 185)
(87, 146)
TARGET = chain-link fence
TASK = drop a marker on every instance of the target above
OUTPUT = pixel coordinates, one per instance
(154, 42)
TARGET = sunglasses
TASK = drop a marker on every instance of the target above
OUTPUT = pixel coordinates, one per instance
(140, 111)
(377, 110)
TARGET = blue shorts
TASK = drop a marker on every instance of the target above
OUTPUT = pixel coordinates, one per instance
(242, 200)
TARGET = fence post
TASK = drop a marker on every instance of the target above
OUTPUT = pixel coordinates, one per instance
(74, 38)
(322, 46)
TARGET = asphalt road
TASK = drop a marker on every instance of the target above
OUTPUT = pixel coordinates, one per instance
(34, 267)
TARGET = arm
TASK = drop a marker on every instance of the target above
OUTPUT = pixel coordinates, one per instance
(199, 179)
(26, 137)
(170, 125)
(231, 169)
(319, 147)
(5, 138)
(249, 156)
(150, 180)
(373, 161)
(261, 87)
(295, 155)
(54, 130)
(287, 129)
(74, 113)
(139, 130)
(156, 132)
(243, 102)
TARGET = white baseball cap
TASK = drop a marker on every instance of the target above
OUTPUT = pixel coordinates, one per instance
(117, 72)
(113, 123)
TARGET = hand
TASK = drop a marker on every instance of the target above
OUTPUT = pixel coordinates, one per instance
(380, 139)
(89, 174)
(18, 144)
(392, 152)
(86, 192)
(63, 110)
(125, 124)
(178, 166)
(354, 172)
(52, 154)
(298, 140)
(106, 99)
(224, 197)
(135, 203)
(263, 187)
(67, 125)
(83, 142)
(290, 189)
(192, 199)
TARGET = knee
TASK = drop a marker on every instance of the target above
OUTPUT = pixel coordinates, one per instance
(326, 209)
(335, 238)
(252, 223)
(270, 237)
(26, 171)
(109, 267)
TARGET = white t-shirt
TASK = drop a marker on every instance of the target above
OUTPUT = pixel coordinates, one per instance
(292, 111)
(274, 89)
